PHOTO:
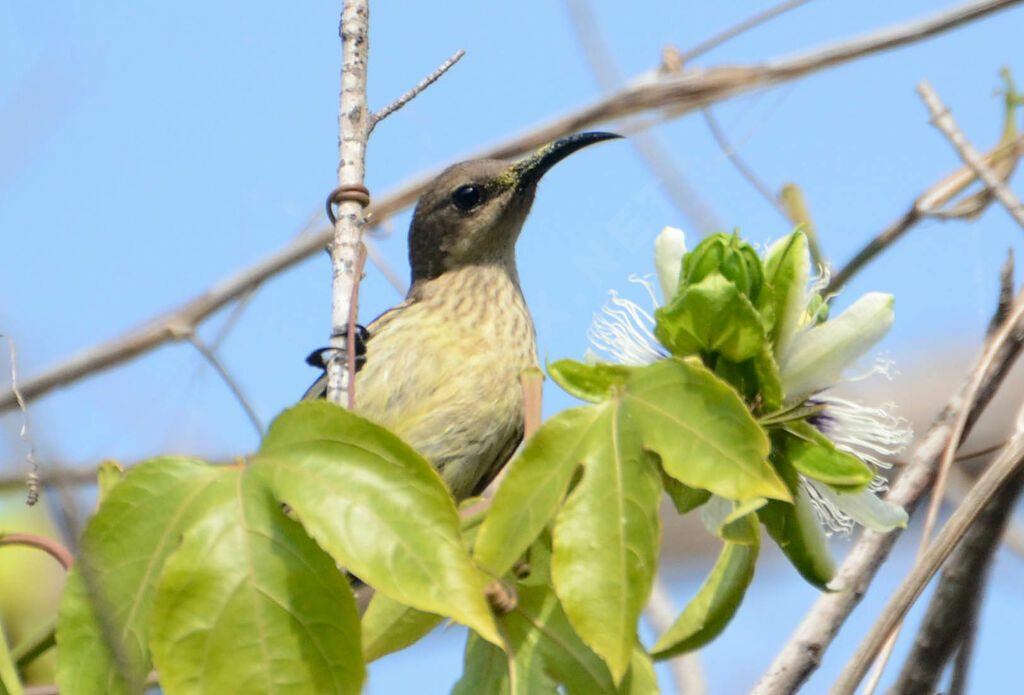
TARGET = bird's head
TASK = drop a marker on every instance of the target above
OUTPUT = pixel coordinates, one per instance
(472, 212)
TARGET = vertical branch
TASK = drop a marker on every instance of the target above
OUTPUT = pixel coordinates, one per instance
(351, 196)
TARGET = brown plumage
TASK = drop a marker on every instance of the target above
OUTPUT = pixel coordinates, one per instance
(442, 368)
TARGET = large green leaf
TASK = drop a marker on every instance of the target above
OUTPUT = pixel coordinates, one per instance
(535, 484)
(711, 316)
(606, 540)
(702, 430)
(389, 626)
(249, 603)
(797, 531)
(377, 507)
(716, 601)
(103, 628)
(10, 684)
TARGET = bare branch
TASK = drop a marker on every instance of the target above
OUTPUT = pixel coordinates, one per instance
(414, 92)
(236, 389)
(953, 608)
(802, 653)
(1008, 464)
(942, 119)
(351, 196)
(680, 94)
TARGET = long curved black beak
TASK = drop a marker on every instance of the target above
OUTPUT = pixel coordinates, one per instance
(531, 168)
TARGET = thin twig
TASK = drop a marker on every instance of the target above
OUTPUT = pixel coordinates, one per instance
(236, 389)
(383, 266)
(736, 30)
(943, 120)
(53, 548)
(741, 166)
(1007, 465)
(874, 247)
(803, 652)
(401, 101)
(350, 333)
(679, 93)
(32, 479)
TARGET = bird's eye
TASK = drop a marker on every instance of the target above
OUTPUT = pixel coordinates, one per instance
(467, 197)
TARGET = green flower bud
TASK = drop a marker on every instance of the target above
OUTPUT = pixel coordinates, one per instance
(730, 256)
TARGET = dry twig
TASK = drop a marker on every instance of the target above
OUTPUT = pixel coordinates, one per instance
(943, 120)
(233, 385)
(1008, 464)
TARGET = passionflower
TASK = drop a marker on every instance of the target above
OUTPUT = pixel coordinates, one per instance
(762, 325)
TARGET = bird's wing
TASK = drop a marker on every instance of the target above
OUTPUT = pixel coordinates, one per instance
(319, 387)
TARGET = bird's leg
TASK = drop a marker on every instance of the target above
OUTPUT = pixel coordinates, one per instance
(319, 357)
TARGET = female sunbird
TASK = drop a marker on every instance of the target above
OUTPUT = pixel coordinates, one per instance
(442, 368)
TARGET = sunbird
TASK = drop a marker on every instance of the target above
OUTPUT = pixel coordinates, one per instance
(442, 369)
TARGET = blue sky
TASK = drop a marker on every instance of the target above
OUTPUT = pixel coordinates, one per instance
(151, 150)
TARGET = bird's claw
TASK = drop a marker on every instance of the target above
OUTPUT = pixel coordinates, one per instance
(319, 357)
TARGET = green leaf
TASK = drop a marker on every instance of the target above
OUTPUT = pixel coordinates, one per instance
(249, 602)
(10, 684)
(716, 601)
(711, 316)
(606, 540)
(544, 653)
(787, 271)
(769, 383)
(703, 432)
(816, 456)
(589, 382)
(535, 485)
(641, 679)
(103, 627)
(684, 498)
(728, 520)
(377, 507)
(485, 670)
(544, 647)
(797, 531)
(389, 626)
(109, 474)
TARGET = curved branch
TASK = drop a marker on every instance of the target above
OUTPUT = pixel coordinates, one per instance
(51, 547)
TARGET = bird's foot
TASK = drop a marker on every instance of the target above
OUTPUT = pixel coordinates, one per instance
(320, 356)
